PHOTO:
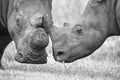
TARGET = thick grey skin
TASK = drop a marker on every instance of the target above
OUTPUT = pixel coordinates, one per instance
(24, 22)
(100, 20)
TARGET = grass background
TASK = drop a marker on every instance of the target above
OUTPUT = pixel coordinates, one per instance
(103, 64)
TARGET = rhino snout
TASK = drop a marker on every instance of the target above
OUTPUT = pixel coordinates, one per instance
(39, 40)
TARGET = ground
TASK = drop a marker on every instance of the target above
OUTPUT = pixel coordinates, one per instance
(103, 64)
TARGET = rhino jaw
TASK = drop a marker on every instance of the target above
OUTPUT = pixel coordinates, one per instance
(32, 58)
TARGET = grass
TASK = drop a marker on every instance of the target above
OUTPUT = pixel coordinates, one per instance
(103, 64)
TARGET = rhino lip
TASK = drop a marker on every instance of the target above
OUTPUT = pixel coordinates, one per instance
(34, 56)
(63, 58)
(31, 57)
(19, 57)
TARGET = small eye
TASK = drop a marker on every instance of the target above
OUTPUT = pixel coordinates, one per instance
(95, 2)
(101, 1)
(66, 24)
(78, 29)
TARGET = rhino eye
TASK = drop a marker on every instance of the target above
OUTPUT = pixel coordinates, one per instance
(101, 1)
(66, 24)
(78, 29)
(95, 2)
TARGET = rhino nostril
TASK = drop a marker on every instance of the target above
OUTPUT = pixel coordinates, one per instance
(20, 55)
(60, 53)
(60, 56)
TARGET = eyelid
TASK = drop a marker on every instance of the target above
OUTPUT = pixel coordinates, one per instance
(78, 29)
(96, 2)
(99, 0)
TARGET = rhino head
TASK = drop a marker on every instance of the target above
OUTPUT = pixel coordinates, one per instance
(77, 40)
(25, 25)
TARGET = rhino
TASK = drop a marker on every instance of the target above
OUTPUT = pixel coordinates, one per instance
(73, 41)
(22, 22)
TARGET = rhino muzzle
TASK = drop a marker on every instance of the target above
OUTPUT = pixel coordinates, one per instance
(34, 43)
(39, 40)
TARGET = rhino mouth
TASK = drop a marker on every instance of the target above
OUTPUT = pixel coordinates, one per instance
(32, 57)
(32, 51)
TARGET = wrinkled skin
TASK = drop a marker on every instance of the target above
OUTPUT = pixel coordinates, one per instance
(25, 25)
(81, 38)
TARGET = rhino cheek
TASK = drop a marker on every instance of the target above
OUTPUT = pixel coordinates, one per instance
(41, 57)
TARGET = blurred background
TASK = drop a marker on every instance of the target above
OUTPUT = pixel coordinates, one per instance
(103, 64)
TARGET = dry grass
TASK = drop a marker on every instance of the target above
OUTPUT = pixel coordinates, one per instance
(103, 64)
